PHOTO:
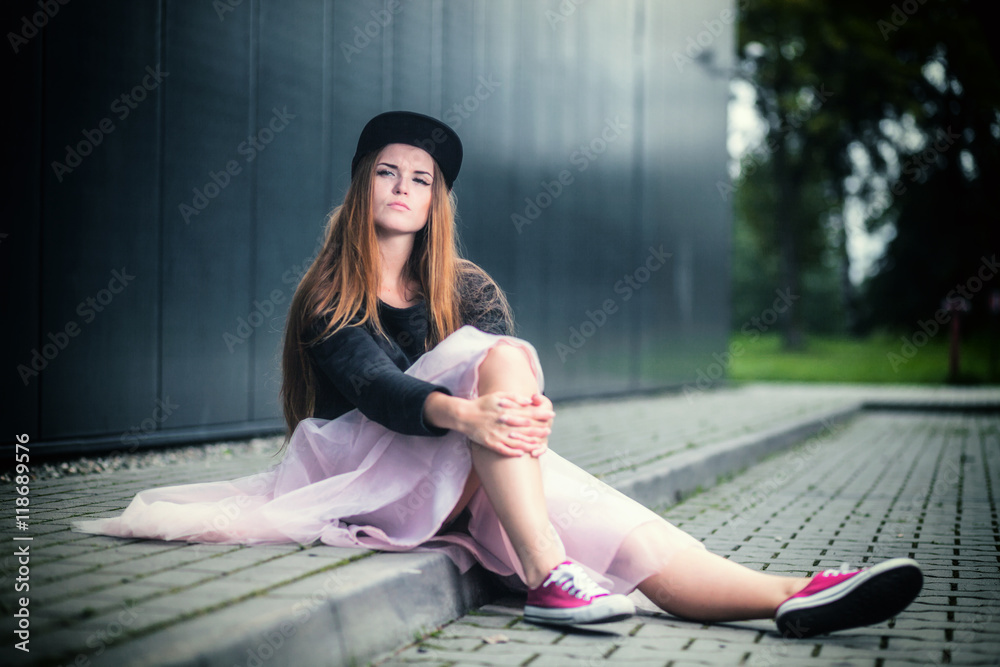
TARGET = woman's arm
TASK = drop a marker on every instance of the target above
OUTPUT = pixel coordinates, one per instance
(365, 375)
(508, 424)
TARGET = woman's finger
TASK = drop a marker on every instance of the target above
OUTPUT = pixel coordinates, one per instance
(525, 418)
(523, 422)
(520, 399)
(533, 412)
(532, 431)
(526, 438)
(501, 448)
(540, 399)
(527, 428)
(513, 420)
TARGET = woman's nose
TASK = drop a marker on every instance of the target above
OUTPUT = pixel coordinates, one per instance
(400, 187)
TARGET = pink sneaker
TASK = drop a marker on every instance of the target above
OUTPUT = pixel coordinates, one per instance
(569, 596)
(840, 599)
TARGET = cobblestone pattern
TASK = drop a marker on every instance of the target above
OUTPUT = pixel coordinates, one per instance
(81, 584)
(91, 592)
(890, 484)
(624, 435)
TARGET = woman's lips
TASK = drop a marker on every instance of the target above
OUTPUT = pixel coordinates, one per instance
(399, 205)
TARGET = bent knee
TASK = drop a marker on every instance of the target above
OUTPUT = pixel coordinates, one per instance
(506, 355)
(506, 367)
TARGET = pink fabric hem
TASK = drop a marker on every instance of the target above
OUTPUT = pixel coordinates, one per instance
(352, 482)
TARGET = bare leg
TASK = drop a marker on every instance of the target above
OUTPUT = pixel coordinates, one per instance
(514, 484)
(700, 585)
(471, 486)
(695, 584)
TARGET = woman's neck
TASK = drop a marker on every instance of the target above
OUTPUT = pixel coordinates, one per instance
(396, 286)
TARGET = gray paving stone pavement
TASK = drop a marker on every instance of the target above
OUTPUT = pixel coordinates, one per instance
(98, 600)
(922, 485)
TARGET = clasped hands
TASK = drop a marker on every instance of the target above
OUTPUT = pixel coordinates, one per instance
(511, 424)
(504, 422)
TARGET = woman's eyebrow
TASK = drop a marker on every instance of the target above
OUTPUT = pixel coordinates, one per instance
(392, 166)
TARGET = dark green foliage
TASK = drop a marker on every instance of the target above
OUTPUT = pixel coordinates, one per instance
(835, 80)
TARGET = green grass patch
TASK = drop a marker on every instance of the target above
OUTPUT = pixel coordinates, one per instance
(883, 358)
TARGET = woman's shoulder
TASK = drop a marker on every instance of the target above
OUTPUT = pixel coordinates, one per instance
(475, 285)
(473, 276)
(322, 326)
(482, 301)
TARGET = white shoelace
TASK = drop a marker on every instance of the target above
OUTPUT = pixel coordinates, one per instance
(845, 568)
(572, 579)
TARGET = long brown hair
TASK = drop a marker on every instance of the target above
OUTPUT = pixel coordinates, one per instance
(342, 283)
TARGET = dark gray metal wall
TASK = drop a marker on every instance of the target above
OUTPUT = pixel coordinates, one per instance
(165, 357)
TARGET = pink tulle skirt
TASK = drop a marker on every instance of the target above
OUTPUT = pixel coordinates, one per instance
(351, 482)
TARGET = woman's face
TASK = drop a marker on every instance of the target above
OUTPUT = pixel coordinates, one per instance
(401, 200)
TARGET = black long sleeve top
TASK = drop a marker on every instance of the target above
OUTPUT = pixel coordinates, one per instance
(358, 368)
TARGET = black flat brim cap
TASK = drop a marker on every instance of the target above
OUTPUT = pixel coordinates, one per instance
(414, 129)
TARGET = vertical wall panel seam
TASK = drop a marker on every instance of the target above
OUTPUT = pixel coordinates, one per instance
(727, 212)
(638, 192)
(520, 163)
(161, 101)
(326, 106)
(253, 100)
(387, 68)
(39, 407)
(479, 42)
(437, 63)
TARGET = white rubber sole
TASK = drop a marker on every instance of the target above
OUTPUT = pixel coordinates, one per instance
(603, 610)
(875, 595)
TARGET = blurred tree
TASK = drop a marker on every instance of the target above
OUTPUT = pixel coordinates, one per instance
(756, 275)
(941, 198)
(855, 95)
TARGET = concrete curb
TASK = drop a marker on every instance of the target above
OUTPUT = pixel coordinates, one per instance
(384, 601)
(345, 616)
(680, 475)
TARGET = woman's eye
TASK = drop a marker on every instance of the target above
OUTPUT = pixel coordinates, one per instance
(384, 172)
(421, 181)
